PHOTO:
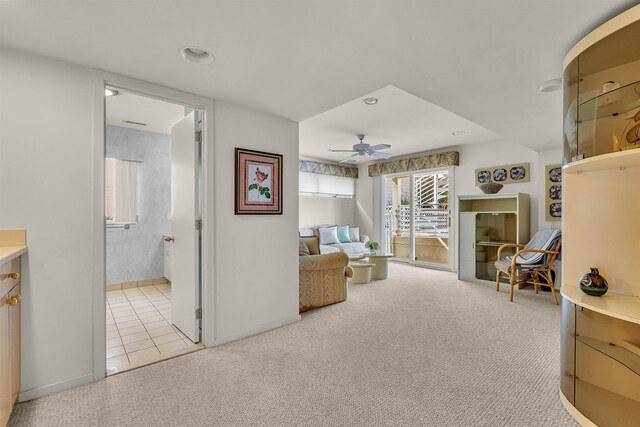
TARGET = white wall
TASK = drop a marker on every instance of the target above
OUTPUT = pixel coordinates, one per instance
(326, 210)
(546, 158)
(503, 153)
(46, 185)
(46, 179)
(256, 271)
(363, 215)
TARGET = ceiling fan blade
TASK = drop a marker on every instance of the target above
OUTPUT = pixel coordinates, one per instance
(348, 158)
(342, 151)
(380, 147)
(380, 155)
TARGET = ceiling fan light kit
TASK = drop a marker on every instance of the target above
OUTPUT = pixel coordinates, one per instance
(362, 148)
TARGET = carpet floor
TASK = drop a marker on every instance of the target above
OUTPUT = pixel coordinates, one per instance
(420, 348)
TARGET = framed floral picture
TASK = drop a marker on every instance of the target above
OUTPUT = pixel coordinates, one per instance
(258, 183)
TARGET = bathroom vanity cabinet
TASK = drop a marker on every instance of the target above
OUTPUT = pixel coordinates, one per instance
(12, 246)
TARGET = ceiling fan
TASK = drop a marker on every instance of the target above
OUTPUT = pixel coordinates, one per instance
(361, 149)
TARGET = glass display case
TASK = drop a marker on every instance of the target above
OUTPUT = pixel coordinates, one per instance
(600, 335)
(601, 366)
(602, 97)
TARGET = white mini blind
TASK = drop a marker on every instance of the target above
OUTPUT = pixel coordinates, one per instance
(308, 183)
(326, 185)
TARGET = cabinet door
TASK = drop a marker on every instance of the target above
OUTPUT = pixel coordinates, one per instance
(14, 344)
(467, 248)
(5, 387)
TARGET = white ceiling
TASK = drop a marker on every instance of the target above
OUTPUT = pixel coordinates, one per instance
(410, 124)
(480, 59)
(159, 116)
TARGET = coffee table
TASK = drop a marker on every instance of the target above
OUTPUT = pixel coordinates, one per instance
(361, 272)
(356, 257)
(380, 270)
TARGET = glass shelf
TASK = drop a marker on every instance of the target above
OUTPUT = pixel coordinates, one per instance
(615, 352)
(611, 104)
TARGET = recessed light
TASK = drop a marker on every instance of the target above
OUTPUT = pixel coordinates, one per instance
(550, 85)
(458, 132)
(371, 101)
(110, 92)
(196, 55)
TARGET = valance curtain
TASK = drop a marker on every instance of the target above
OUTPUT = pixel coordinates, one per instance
(431, 161)
(327, 169)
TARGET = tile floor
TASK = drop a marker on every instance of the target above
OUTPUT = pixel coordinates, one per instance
(139, 330)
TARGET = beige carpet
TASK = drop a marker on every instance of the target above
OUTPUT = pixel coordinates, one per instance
(418, 349)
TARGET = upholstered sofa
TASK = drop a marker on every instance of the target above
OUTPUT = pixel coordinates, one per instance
(323, 277)
(356, 246)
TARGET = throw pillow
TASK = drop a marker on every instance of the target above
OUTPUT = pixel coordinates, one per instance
(343, 234)
(328, 235)
(354, 234)
(305, 232)
(312, 244)
(303, 249)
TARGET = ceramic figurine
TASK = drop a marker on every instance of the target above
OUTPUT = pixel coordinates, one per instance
(593, 283)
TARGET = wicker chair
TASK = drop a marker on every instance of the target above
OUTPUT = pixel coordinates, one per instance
(530, 262)
(323, 279)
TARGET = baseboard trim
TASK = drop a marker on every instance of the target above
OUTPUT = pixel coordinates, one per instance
(55, 388)
(275, 324)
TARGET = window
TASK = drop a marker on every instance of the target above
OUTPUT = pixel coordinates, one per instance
(316, 185)
(121, 191)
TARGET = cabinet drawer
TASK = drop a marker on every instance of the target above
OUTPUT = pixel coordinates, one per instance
(7, 278)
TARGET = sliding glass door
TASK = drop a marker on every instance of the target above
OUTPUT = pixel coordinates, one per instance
(417, 218)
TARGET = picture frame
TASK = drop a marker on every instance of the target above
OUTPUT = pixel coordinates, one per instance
(258, 182)
(553, 192)
(505, 174)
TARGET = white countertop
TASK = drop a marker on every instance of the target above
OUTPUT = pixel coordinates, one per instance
(8, 253)
(624, 307)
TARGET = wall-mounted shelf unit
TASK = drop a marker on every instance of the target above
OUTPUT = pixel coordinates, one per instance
(600, 342)
(486, 222)
(602, 91)
(600, 336)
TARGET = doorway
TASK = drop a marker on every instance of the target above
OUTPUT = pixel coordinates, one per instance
(153, 243)
(417, 218)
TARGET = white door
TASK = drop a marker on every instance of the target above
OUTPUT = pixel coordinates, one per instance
(467, 246)
(184, 213)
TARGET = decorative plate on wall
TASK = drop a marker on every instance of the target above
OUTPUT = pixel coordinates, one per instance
(483, 176)
(553, 192)
(505, 174)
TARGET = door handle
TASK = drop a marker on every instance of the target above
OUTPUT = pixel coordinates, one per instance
(168, 239)
(14, 300)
